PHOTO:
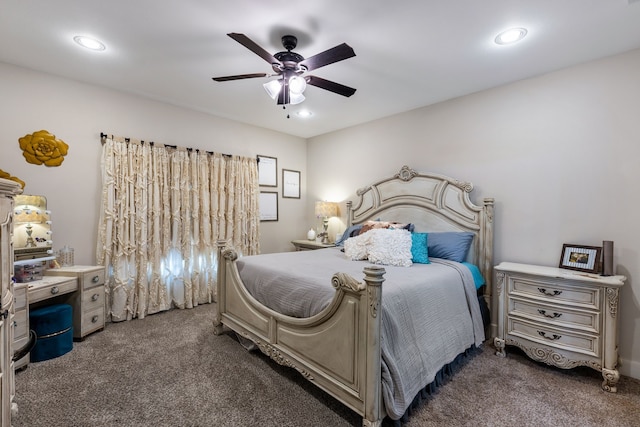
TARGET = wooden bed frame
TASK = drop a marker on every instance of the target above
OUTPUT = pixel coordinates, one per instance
(349, 368)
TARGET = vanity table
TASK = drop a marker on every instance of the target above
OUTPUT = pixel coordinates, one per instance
(82, 287)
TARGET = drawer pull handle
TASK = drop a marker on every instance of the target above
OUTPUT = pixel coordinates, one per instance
(551, 338)
(551, 316)
(95, 297)
(94, 319)
(54, 290)
(549, 294)
(95, 279)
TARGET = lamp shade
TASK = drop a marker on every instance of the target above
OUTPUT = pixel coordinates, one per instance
(326, 209)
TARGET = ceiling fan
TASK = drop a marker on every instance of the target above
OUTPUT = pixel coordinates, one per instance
(291, 67)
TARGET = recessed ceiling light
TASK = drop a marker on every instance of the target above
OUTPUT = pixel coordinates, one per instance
(89, 43)
(511, 35)
(304, 113)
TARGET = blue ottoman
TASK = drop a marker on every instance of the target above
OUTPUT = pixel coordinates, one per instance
(53, 326)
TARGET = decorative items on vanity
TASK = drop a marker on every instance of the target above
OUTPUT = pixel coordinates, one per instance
(560, 317)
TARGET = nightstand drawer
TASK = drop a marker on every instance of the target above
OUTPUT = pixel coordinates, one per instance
(555, 293)
(561, 339)
(587, 321)
(92, 279)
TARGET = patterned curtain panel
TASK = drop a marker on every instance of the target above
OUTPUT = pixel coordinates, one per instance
(163, 210)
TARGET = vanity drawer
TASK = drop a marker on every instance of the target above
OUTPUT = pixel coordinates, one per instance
(561, 339)
(49, 289)
(555, 293)
(20, 325)
(92, 320)
(20, 298)
(560, 316)
(92, 279)
(93, 298)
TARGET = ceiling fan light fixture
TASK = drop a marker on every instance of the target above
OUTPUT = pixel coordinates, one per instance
(273, 88)
(297, 85)
(510, 36)
(295, 98)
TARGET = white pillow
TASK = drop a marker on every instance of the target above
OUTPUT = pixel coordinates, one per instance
(381, 246)
(355, 248)
(390, 247)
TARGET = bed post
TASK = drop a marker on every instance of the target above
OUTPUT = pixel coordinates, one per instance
(349, 207)
(487, 265)
(373, 409)
(220, 295)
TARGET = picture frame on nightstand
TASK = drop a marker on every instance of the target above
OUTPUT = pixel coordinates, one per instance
(580, 258)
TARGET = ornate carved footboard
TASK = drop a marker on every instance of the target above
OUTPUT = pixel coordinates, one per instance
(348, 368)
(339, 349)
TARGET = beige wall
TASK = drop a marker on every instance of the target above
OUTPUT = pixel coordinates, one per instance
(559, 153)
(77, 113)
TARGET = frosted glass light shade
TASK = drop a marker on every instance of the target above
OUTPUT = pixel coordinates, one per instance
(297, 85)
(273, 88)
(295, 98)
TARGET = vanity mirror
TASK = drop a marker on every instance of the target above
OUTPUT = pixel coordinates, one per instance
(31, 228)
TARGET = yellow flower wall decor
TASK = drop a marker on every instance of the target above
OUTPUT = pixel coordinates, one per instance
(7, 175)
(43, 148)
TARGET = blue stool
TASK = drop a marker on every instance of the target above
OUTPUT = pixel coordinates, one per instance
(53, 325)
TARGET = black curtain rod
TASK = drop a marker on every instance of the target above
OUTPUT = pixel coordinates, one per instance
(175, 147)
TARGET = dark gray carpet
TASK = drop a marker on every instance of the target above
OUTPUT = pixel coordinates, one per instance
(170, 370)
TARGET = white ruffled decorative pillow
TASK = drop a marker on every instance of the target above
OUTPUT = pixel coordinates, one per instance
(355, 248)
(381, 246)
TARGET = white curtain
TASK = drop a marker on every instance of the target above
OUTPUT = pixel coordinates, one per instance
(163, 210)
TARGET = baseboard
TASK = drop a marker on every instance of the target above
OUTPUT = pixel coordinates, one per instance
(629, 368)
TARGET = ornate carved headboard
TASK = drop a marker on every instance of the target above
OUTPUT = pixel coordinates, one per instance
(433, 203)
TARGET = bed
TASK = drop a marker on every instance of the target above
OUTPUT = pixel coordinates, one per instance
(343, 344)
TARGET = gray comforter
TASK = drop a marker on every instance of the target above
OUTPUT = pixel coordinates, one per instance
(430, 312)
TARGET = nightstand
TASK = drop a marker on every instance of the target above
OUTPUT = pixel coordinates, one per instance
(309, 245)
(561, 317)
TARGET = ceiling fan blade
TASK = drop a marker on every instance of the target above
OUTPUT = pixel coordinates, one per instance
(239, 77)
(330, 86)
(253, 47)
(335, 54)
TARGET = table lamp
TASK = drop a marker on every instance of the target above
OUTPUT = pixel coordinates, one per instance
(325, 210)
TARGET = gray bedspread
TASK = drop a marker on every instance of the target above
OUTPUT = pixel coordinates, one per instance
(430, 312)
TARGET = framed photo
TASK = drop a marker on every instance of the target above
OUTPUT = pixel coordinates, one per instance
(581, 258)
(290, 184)
(267, 171)
(268, 205)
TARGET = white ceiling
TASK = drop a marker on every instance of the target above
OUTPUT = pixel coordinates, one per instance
(409, 54)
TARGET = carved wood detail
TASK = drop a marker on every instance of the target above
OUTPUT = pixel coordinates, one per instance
(612, 298)
(500, 282)
(276, 355)
(551, 357)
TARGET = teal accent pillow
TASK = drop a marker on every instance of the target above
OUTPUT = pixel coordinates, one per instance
(419, 248)
(451, 245)
(475, 272)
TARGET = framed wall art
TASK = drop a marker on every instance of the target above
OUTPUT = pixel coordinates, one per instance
(290, 184)
(268, 206)
(267, 171)
(580, 258)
